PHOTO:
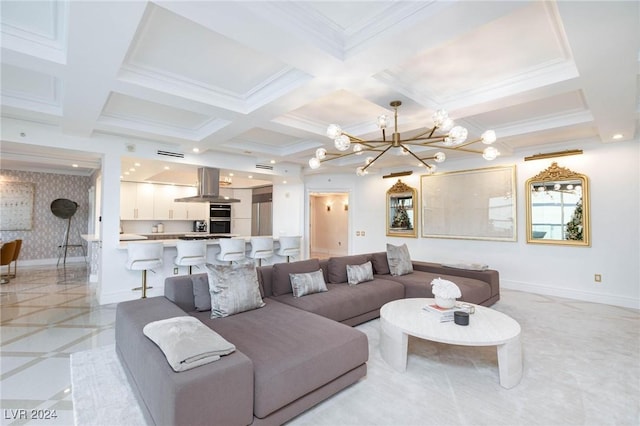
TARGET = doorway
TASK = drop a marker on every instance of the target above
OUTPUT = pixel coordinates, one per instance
(328, 224)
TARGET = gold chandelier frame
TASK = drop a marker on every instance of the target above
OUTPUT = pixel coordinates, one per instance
(428, 138)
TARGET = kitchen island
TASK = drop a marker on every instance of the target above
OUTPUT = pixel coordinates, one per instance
(127, 280)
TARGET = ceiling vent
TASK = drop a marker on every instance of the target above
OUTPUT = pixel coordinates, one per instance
(264, 167)
(171, 154)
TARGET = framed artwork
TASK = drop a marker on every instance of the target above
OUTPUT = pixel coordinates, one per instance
(402, 205)
(475, 204)
(16, 206)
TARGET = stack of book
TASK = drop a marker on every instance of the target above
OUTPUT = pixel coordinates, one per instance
(443, 314)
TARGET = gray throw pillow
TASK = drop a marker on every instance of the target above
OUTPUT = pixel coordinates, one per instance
(399, 260)
(359, 273)
(233, 288)
(307, 283)
(201, 295)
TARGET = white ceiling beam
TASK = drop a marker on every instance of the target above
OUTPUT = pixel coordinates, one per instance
(99, 36)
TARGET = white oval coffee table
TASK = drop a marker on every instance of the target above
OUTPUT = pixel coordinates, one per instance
(487, 327)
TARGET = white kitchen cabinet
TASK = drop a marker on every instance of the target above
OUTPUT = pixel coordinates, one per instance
(242, 210)
(164, 208)
(136, 201)
(146, 201)
(241, 227)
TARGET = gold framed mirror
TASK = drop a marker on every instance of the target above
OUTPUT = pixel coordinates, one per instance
(558, 207)
(402, 203)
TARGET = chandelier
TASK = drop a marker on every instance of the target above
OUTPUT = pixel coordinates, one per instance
(449, 137)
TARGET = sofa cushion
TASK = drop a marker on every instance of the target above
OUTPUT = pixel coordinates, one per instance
(343, 302)
(201, 295)
(357, 274)
(380, 263)
(418, 284)
(399, 259)
(307, 283)
(293, 352)
(338, 266)
(233, 288)
(280, 280)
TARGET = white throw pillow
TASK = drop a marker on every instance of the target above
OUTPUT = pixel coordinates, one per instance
(399, 260)
(233, 288)
(357, 274)
(307, 283)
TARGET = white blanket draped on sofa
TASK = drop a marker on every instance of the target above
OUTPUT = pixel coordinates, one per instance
(186, 342)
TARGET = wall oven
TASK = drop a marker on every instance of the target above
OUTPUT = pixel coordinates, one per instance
(220, 219)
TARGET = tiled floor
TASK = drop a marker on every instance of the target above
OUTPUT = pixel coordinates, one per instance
(47, 313)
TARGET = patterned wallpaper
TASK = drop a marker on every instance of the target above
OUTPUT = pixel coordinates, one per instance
(47, 232)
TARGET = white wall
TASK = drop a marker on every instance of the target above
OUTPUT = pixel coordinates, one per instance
(547, 269)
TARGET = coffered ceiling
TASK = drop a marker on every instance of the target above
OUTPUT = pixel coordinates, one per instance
(264, 79)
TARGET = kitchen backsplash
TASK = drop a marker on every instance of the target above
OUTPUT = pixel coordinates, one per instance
(47, 231)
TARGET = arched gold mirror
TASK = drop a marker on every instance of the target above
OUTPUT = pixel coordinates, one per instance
(558, 207)
(402, 205)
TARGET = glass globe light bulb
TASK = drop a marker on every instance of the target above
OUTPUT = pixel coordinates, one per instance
(342, 143)
(439, 117)
(368, 160)
(314, 163)
(360, 171)
(382, 121)
(488, 137)
(333, 131)
(440, 157)
(490, 153)
(446, 125)
(357, 149)
(321, 153)
(458, 134)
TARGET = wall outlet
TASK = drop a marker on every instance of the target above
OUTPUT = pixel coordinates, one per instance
(597, 278)
(175, 271)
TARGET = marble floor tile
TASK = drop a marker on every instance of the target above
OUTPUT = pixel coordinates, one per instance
(39, 382)
(47, 340)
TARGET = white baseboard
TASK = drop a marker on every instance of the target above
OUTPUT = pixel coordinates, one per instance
(49, 262)
(607, 299)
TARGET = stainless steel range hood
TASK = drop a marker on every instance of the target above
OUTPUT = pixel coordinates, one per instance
(208, 188)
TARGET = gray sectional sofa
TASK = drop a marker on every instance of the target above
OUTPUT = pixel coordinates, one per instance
(291, 354)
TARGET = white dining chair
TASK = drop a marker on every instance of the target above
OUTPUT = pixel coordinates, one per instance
(289, 246)
(144, 256)
(231, 249)
(261, 248)
(190, 253)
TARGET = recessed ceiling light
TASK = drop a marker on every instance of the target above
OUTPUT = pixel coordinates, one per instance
(166, 167)
(74, 165)
(273, 161)
(136, 164)
(230, 174)
(126, 173)
(284, 181)
(132, 169)
(196, 149)
(617, 136)
(250, 176)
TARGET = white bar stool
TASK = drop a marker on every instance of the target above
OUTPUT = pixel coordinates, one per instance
(143, 256)
(190, 253)
(289, 246)
(231, 249)
(261, 248)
